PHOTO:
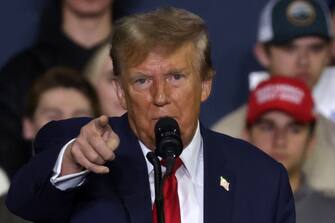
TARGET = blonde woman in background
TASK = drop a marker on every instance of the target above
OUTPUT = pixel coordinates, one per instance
(99, 72)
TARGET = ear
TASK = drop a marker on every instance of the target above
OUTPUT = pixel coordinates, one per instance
(206, 88)
(29, 131)
(262, 55)
(120, 93)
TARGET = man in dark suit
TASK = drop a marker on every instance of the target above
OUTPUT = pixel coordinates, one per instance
(96, 170)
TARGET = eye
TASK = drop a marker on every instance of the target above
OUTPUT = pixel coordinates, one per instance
(176, 78)
(296, 128)
(317, 48)
(265, 126)
(51, 114)
(142, 83)
(289, 48)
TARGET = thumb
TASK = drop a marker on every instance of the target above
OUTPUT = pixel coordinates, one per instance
(113, 141)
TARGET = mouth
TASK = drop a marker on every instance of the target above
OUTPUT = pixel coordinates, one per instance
(162, 116)
(279, 157)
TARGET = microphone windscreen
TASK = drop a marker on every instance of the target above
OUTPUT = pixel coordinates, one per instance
(168, 140)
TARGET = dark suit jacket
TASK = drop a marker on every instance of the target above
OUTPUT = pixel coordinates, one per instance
(259, 189)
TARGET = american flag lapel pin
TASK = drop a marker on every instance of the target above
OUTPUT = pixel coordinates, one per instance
(224, 183)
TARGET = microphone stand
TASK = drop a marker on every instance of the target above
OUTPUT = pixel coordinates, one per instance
(158, 185)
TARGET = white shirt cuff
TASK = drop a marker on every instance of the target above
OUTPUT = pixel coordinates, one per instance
(68, 181)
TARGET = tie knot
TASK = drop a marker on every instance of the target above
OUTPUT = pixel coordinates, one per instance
(177, 163)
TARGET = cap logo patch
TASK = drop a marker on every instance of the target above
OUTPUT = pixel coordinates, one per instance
(282, 92)
(300, 13)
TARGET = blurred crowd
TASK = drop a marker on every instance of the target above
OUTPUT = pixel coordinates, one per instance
(289, 111)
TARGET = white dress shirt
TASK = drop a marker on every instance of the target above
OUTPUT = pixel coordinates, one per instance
(190, 178)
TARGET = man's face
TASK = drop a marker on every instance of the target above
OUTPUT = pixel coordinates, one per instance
(164, 85)
(281, 137)
(88, 7)
(56, 104)
(304, 57)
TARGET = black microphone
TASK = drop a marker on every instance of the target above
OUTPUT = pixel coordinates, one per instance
(168, 141)
(168, 146)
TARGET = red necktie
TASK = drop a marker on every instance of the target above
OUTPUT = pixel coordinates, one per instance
(171, 200)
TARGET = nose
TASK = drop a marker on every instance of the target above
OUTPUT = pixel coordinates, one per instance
(160, 93)
(303, 58)
(279, 138)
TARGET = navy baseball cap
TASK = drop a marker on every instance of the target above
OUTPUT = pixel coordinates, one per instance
(283, 20)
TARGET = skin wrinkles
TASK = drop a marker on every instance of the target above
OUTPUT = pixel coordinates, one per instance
(163, 85)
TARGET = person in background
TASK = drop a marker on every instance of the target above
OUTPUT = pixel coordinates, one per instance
(71, 31)
(100, 73)
(280, 121)
(294, 39)
(95, 170)
(60, 93)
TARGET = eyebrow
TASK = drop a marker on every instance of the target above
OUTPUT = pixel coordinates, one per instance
(169, 72)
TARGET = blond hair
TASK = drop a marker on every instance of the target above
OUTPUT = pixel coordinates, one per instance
(95, 66)
(135, 36)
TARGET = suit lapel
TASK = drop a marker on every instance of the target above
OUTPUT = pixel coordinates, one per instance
(133, 186)
(132, 177)
(219, 181)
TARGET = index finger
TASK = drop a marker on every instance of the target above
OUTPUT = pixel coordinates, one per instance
(101, 123)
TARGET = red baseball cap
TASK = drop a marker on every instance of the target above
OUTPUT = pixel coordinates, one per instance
(286, 94)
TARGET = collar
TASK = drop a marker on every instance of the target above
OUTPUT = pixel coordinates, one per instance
(191, 155)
